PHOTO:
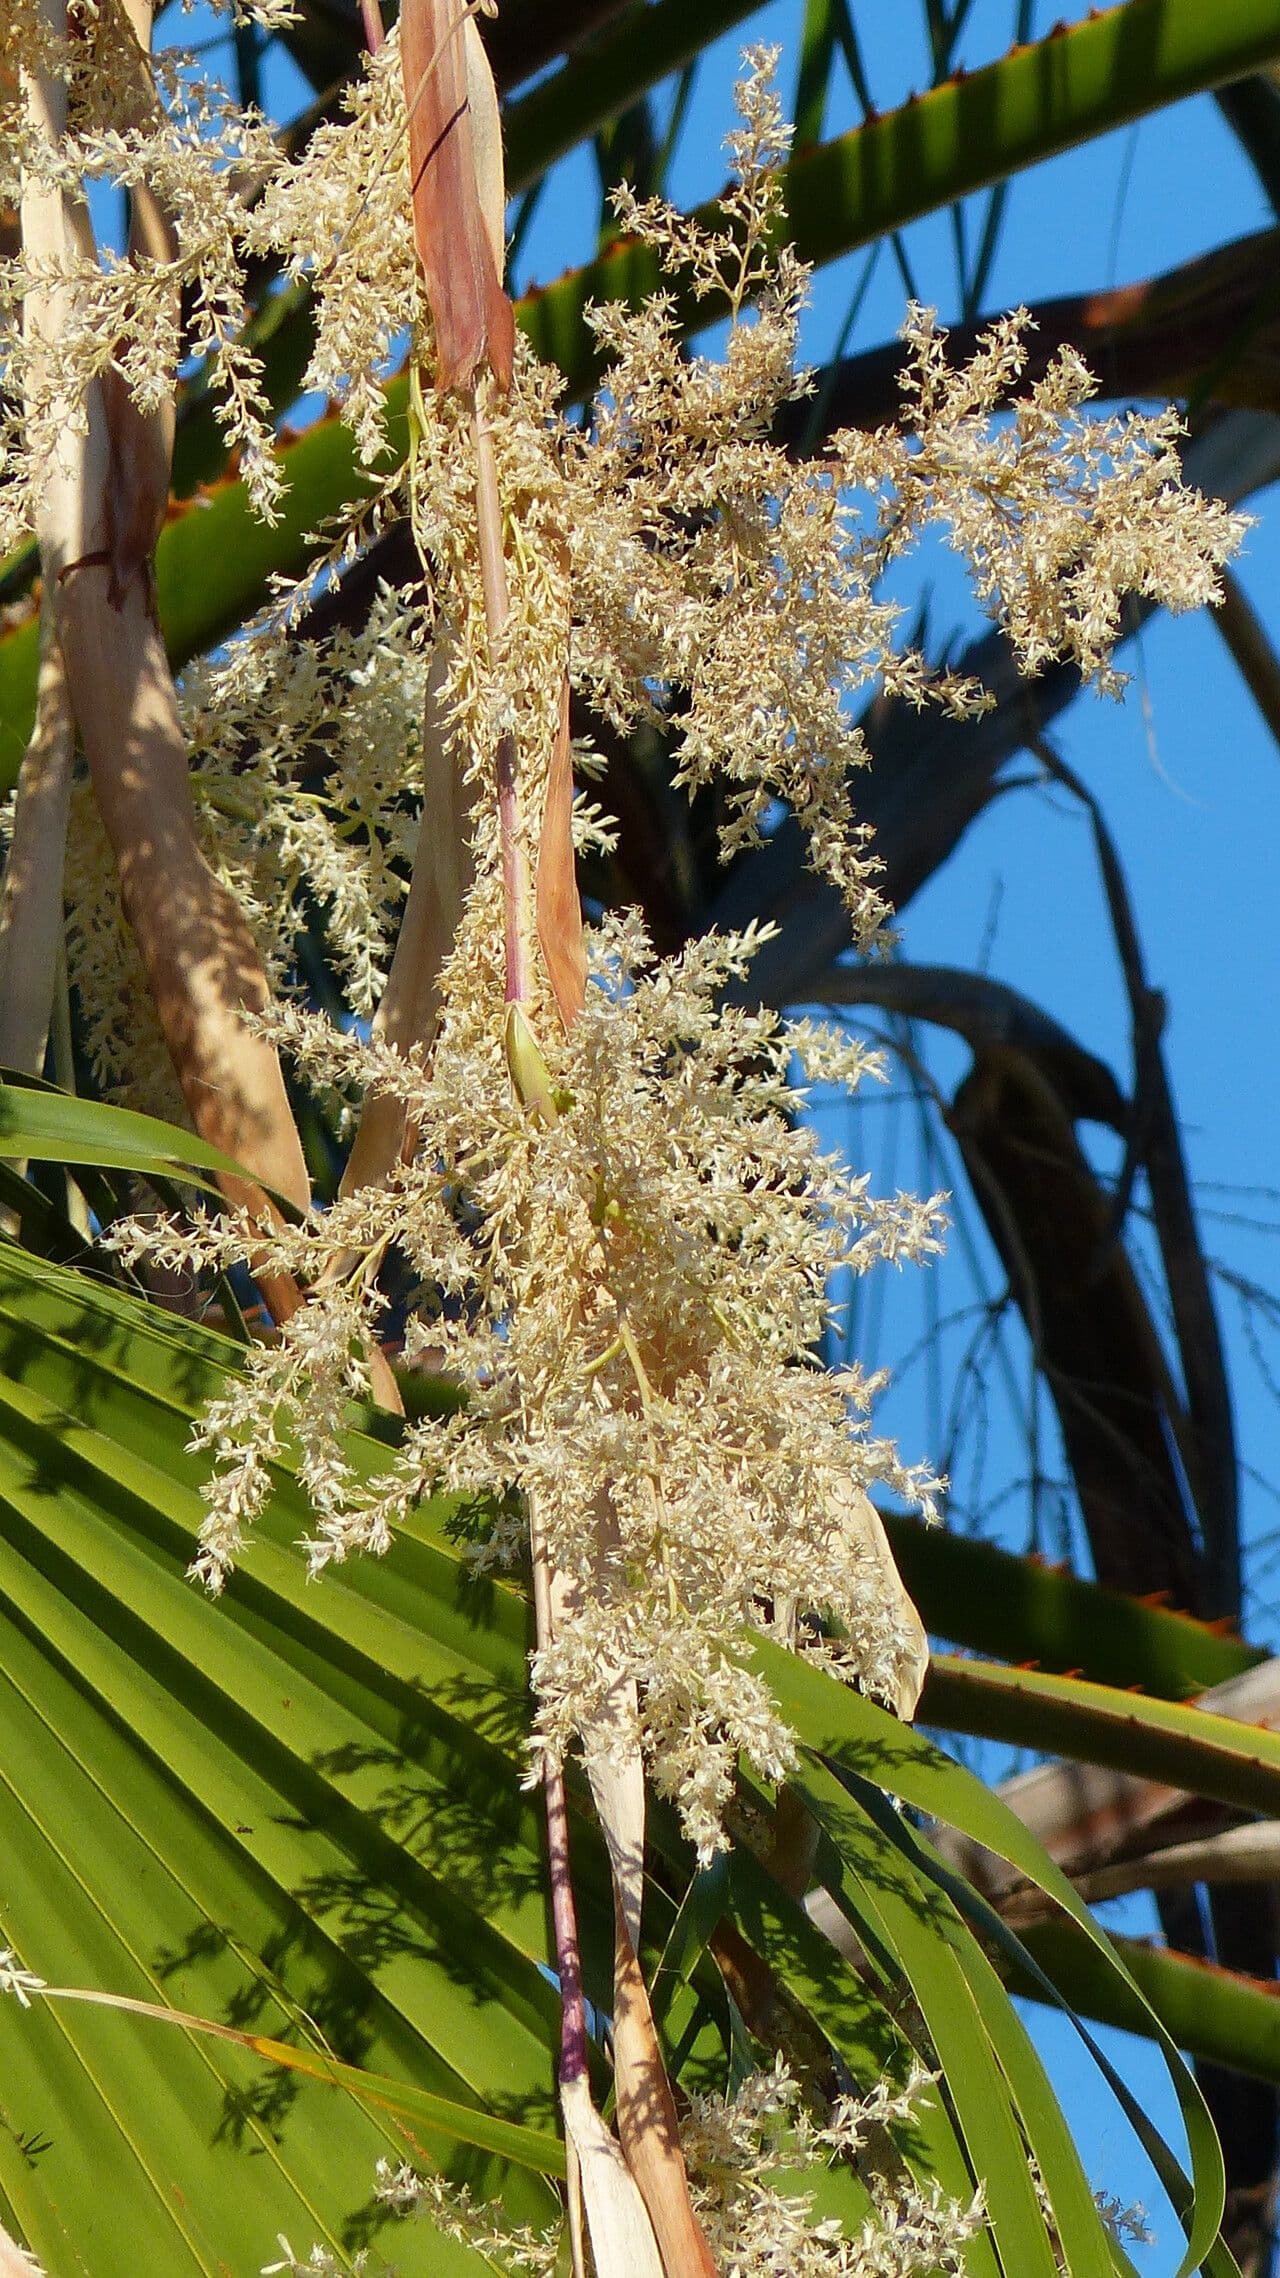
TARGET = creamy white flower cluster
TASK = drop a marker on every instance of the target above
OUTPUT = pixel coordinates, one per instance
(306, 782)
(629, 1288)
(739, 2151)
(230, 196)
(688, 570)
(629, 1298)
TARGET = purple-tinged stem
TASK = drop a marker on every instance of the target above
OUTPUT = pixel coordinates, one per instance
(374, 29)
(564, 1918)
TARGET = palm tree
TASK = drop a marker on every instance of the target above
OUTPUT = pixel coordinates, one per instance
(298, 1814)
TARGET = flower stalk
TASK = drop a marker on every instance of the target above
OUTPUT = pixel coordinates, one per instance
(573, 2015)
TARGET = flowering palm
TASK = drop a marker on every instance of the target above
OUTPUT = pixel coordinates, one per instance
(581, 1162)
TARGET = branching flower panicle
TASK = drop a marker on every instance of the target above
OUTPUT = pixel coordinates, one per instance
(630, 1301)
(1058, 516)
(629, 1288)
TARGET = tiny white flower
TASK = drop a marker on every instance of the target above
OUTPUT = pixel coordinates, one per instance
(21, 1983)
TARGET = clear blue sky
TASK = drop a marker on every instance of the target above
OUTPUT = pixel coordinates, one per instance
(1190, 780)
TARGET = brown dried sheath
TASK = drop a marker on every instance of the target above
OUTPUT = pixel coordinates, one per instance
(472, 316)
(559, 910)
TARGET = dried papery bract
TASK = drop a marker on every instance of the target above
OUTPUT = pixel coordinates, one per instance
(31, 928)
(31, 903)
(448, 89)
(458, 203)
(104, 487)
(559, 909)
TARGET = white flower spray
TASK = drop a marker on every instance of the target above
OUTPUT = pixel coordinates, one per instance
(743, 2152)
(623, 1240)
(629, 1284)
